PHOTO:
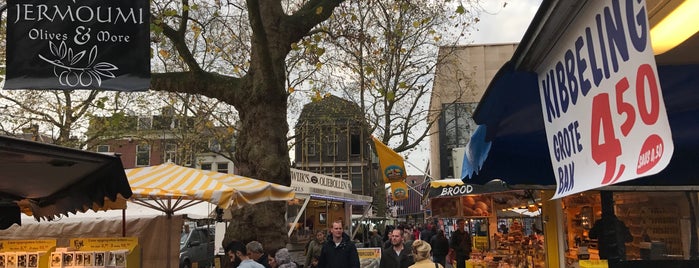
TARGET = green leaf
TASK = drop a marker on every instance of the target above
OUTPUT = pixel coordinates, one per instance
(460, 9)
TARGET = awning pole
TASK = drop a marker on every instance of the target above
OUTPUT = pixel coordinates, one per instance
(361, 219)
(298, 216)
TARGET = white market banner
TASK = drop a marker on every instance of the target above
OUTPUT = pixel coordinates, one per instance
(302, 182)
(601, 100)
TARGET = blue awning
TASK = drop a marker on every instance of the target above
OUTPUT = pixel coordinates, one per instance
(510, 112)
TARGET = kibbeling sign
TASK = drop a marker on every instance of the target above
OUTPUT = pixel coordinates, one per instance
(78, 44)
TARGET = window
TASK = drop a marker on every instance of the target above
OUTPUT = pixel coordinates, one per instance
(455, 129)
(102, 148)
(222, 167)
(142, 155)
(170, 153)
(331, 145)
(205, 166)
(356, 182)
(214, 146)
(145, 122)
(310, 146)
(355, 144)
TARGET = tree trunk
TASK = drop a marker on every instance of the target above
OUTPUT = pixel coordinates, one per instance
(262, 154)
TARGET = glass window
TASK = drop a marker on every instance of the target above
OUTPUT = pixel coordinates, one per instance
(331, 145)
(145, 122)
(205, 166)
(170, 154)
(355, 144)
(103, 148)
(142, 155)
(310, 146)
(222, 167)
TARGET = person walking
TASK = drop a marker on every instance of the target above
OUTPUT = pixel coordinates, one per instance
(440, 247)
(282, 259)
(461, 243)
(241, 252)
(315, 247)
(396, 256)
(338, 251)
(421, 253)
(257, 253)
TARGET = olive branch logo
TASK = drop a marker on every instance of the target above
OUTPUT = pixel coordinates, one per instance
(67, 66)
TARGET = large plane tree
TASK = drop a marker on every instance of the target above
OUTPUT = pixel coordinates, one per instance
(246, 68)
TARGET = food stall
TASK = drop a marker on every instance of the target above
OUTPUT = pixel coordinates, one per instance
(501, 221)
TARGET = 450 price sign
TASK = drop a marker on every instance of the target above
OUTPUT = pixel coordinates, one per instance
(601, 100)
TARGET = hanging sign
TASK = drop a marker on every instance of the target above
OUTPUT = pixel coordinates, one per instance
(601, 100)
(78, 44)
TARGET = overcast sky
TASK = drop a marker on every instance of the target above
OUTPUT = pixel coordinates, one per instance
(497, 24)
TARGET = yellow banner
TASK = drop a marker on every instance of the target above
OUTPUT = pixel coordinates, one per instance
(399, 190)
(26, 245)
(391, 163)
(104, 243)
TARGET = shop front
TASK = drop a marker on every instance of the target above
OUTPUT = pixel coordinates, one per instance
(572, 66)
(320, 200)
(504, 223)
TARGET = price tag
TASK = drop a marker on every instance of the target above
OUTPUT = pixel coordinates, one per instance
(601, 100)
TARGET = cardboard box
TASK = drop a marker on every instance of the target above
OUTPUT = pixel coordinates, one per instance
(68, 259)
(2, 260)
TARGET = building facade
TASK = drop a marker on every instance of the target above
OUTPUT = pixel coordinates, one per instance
(153, 140)
(461, 79)
(332, 139)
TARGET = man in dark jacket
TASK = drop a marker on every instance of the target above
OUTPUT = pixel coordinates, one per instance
(338, 251)
(398, 255)
(461, 243)
(440, 248)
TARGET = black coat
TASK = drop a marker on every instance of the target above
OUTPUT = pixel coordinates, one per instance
(440, 246)
(343, 255)
(461, 243)
(389, 259)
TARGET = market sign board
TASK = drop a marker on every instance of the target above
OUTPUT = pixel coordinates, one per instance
(78, 44)
(601, 100)
(303, 181)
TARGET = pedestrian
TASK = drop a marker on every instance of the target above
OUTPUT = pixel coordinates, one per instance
(282, 259)
(375, 239)
(427, 232)
(241, 252)
(315, 247)
(440, 247)
(397, 256)
(421, 253)
(257, 253)
(233, 260)
(338, 251)
(461, 244)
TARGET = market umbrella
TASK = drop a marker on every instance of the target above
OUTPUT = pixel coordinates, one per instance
(170, 188)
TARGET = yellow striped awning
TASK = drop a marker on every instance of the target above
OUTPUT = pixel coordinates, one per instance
(170, 181)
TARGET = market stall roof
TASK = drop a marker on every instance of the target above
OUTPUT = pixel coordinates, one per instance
(456, 187)
(510, 110)
(174, 187)
(50, 180)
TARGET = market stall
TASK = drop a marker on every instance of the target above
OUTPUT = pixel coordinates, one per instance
(320, 200)
(502, 221)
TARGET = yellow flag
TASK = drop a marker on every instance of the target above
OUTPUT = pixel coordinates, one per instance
(391, 163)
(399, 190)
